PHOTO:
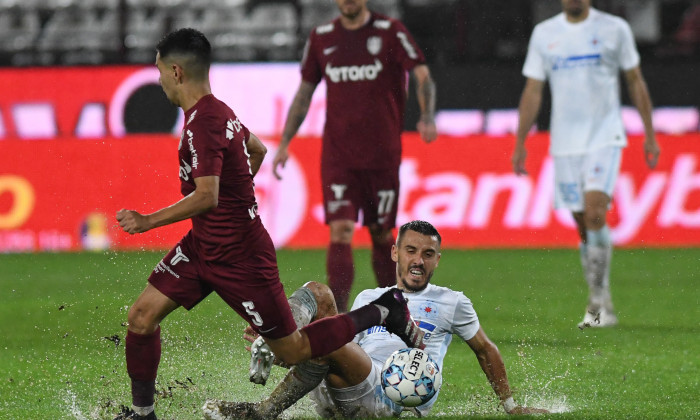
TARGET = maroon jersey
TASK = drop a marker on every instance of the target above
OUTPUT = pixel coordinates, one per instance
(213, 143)
(366, 76)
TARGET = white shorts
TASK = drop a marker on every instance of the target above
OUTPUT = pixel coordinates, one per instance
(364, 400)
(574, 175)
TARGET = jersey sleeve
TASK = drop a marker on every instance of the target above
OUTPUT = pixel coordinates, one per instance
(206, 147)
(628, 56)
(534, 67)
(310, 67)
(409, 54)
(466, 322)
(363, 298)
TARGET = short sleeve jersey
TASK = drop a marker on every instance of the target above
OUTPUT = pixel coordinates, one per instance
(440, 312)
(365, 71)
(213, 142)
(583, 62)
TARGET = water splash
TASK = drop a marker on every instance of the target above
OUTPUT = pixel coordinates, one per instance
(71, 400)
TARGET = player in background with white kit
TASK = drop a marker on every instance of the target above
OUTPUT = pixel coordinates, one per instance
(352, 385)
(364, 58)
(582, 52)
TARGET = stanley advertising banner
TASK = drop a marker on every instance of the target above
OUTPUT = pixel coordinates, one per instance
(63, 194)
(78, 144)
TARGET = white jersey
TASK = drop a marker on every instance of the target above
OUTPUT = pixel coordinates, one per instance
(440, 312)
(583, 62)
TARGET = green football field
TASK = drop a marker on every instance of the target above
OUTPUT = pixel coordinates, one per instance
(63, 326)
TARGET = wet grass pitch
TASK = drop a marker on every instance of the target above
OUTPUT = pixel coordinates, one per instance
(64, 320)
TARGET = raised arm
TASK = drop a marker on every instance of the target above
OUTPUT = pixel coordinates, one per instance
(492, 364)
(295, 116)
(204, 198)
(528, 109)
(425, 93)
(257, 151)
(637, 88)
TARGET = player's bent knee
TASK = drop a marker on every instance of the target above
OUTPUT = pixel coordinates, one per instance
(325, 300)
(342, 231)
(140, 321)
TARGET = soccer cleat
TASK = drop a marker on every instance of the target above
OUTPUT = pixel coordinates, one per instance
(399, 320)
(129, 414)
(261, 360)
(225, 410)
(598, 319)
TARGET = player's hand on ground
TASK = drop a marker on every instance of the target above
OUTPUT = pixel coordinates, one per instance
(651, 152)
(527, 410)
(132, 221)
(518, 160)
(427, 129)
(281, 157)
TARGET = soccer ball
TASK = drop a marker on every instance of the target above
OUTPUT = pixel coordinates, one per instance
(410, 377)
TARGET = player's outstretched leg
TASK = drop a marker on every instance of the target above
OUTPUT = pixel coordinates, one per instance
(398, 320)
(129, 414)
(227, 410)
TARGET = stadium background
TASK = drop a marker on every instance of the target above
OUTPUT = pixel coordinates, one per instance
(85, 130)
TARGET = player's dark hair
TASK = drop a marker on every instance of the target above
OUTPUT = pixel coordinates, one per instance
(191, 46)
(420, 226)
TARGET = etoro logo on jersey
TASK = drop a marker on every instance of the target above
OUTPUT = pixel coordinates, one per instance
(354, 73)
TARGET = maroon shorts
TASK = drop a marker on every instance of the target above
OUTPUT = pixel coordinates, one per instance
(375, 192)
(251, 287)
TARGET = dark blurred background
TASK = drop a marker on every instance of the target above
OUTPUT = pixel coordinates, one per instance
(475, 48)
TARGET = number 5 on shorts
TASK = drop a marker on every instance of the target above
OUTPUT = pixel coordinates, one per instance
(249, 306)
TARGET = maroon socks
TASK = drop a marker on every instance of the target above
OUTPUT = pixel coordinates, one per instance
(384, 267)
(142, 359)
(329, 334)
(341, 271)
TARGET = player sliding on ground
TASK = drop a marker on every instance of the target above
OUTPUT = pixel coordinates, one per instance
(346, 383)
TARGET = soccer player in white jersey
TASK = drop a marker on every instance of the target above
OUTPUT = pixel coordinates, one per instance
(347, 383)
(582, 51)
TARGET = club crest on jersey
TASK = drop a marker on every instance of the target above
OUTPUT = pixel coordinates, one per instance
(428, 310)
(374, 45)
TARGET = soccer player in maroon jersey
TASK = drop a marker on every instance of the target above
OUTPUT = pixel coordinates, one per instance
(228, 250)
(364, 58)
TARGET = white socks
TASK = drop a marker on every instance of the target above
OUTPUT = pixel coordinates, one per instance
(596, 255)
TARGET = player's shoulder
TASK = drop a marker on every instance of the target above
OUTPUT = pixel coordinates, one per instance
(446, 294)
(208, 110)
(327, 28)
(551, 24)
(371, 294)
(384, 23)
(603, 18)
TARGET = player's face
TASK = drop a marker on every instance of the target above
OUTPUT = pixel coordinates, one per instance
(351, 8)
(416, 257)
(166, 79)
(575, 8)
